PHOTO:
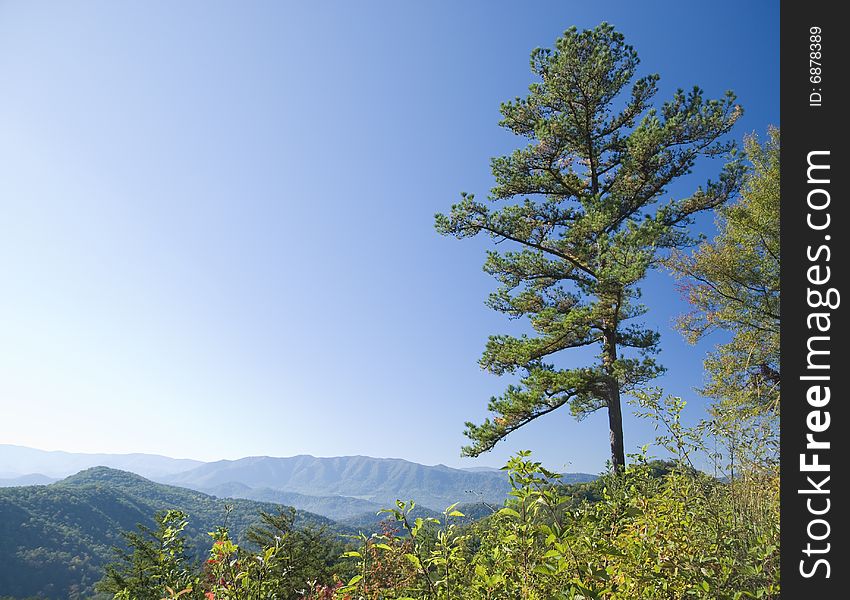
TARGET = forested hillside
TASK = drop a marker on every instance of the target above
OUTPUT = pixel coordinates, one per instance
(55, 539)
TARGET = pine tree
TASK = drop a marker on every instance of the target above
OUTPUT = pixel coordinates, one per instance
(582, 204)
(155, 561)
(302, 554)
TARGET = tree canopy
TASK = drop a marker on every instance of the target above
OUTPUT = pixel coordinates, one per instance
(582, 205)
(732, 284)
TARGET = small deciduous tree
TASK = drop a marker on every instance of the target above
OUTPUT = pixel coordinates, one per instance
(732, 283)
(583, 206)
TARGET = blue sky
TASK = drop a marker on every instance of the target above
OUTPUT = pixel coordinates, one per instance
(216, 218)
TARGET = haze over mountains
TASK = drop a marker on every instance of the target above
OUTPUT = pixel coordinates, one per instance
(17, 461)
(377, 480)
(339, 488)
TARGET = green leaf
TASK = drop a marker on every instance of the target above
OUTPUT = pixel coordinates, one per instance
(510, 512)
(414, 560)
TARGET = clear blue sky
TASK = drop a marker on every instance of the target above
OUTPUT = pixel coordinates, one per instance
(216, 218)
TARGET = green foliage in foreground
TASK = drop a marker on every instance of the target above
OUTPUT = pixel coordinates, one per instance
(679, 536)
(287, 558)
(655, 531)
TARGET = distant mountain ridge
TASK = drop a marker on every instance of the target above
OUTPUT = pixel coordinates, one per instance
(28, 479)
(17, 461)
(377, 480)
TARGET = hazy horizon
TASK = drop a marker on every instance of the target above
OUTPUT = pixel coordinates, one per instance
(235, 458)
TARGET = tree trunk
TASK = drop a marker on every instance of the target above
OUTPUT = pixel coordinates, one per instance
(615, 427)
(615, 412)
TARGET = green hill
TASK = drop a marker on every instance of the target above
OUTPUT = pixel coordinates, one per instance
(55, 539)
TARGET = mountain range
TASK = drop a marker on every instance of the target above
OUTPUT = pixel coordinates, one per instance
(378, 481)
(340, 488)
